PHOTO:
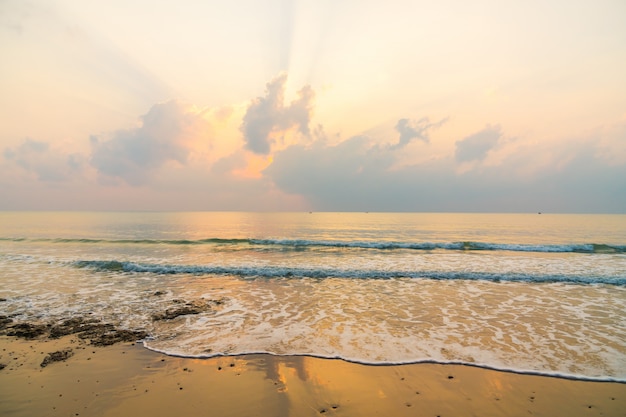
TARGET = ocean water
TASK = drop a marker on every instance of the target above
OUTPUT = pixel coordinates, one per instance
(537, 293)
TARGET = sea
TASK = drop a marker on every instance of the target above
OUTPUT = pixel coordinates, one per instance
(530, 293)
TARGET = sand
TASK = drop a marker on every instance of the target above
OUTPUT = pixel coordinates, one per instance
(127, 379)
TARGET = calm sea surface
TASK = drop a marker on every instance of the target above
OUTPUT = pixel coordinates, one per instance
(527, 292)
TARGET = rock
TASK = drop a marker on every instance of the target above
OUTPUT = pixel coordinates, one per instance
(92, 330)
(107, 337)
(59, 355)
(4, 322)
(27, 330)
(73, 326)
(189, 307)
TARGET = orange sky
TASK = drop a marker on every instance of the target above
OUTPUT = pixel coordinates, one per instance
(298, 105)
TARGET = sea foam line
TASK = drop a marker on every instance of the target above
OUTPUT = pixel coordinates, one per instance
(550, 374)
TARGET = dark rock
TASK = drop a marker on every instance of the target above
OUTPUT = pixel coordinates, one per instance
(189, 307)
(92, 330)
(73, 326)
(4, 322)
(59, 355)
(2, 366)
(98, 333)
(106, 335)
(27, 330)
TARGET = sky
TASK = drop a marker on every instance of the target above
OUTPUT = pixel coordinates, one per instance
(325, 105)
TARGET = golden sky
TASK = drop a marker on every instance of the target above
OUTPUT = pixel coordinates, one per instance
(313, 105)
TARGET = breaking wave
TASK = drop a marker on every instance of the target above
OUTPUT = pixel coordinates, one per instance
(590, 248)
(253, 272)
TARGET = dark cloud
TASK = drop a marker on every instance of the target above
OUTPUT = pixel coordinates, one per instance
(268, 114)
(411, 129)
(476, 146)
(318, 169)
(357, 175)
(352, 175)
(164, 135)
(47, 164)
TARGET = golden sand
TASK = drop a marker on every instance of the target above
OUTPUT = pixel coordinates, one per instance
(126, 379)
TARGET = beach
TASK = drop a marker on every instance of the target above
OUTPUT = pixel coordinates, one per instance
(298, 314)
(127, 379)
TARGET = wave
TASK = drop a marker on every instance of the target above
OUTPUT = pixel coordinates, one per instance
(462, 246)
(299, 244)
(129, 241)
(252, 272)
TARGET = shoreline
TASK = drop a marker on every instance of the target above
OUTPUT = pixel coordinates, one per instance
(126, 377)
(556, 375)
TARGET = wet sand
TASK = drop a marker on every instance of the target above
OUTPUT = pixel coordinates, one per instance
(127, 379)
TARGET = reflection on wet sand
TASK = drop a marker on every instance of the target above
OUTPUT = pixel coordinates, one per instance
(126, 379)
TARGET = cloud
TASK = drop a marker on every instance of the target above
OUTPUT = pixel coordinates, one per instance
(268, 115)
(313, 170)
(411, 129)
(180, 162)
(358, 175)
(475, 147)
(165, 135)
(49, 165)
(347, 176)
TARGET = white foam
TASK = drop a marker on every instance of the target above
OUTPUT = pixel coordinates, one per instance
(426, 327)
